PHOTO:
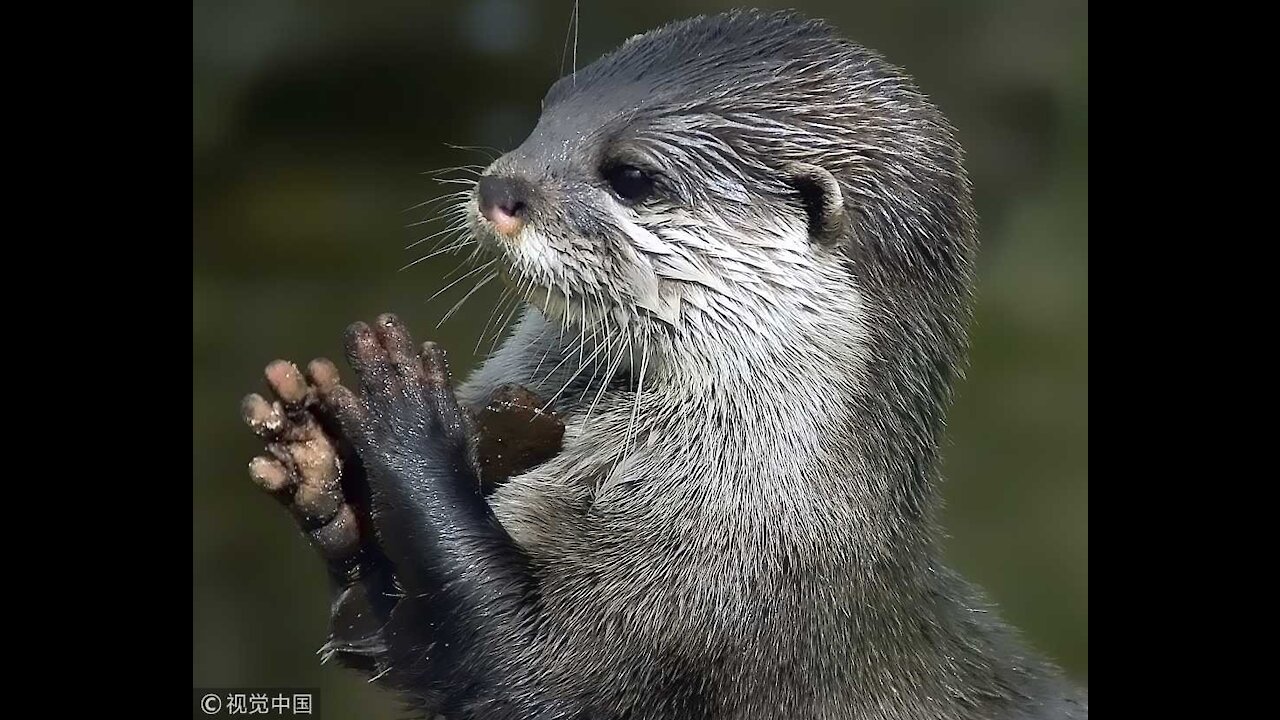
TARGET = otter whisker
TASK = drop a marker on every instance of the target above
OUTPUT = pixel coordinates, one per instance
(491, 153)
(454, 247)
(476, 271)
(559, 365)
(497, 332)
(438, 198)
(567, 301)
(595, 340)
(453, 220)
(608, 379)
(591, 381)
(567, 383)
(460, 267)
(475, 252)
(502, 300)
(451, 214)
(466, 297)
(572, 29)
(449, 245)
(550, 347)
(452, 228)
(542, 359)
(474, 169)
(635, 409)
(456, 230)
(582, 324)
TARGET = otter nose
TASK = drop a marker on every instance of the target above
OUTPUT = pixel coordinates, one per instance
(503, 202)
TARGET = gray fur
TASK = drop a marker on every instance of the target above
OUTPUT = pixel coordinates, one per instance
(743, 525)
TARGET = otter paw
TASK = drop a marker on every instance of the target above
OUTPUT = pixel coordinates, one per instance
(406, 413)
(302, 467)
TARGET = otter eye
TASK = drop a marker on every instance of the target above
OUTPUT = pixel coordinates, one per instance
(629, 182)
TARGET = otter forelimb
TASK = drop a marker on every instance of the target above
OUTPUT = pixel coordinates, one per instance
(313, 469)
(461, 626)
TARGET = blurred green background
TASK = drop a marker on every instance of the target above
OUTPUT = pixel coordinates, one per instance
(314, 122)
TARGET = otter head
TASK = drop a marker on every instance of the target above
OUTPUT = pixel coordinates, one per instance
(738, 185)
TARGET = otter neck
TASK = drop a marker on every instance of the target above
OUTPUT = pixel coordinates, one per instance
(818, 420)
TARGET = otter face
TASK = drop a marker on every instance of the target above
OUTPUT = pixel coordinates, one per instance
(711, 168)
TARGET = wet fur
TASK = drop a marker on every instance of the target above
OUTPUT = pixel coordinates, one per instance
(742, 521)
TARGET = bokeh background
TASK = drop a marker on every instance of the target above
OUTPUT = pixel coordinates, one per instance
(313, 124)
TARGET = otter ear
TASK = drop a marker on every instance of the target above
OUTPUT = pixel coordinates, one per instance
(820, 195)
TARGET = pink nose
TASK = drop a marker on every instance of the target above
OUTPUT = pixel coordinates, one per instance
(502, 221)
(502, 202)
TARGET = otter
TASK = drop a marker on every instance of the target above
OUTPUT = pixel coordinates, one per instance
(746, 247)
